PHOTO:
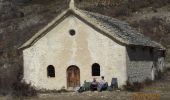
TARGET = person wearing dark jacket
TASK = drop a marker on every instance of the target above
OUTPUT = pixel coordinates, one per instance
(94, 85)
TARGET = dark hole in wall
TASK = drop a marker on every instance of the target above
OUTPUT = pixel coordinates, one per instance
(50, 71)
(72, 32)
(138, 54)
(95, 69)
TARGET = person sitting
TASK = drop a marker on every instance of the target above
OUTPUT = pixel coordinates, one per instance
(94, 84)
(102, 86)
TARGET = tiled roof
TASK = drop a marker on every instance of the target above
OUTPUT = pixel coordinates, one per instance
(119, 29)
(112, 27)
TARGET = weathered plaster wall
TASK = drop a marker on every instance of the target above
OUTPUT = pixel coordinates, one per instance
(140, 64)
(60, 49)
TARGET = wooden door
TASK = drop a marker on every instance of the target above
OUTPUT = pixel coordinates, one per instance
(73, 76)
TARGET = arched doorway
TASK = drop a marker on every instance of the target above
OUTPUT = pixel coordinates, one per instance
(73, 76)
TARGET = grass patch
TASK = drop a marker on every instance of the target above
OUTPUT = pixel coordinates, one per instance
(133, 87)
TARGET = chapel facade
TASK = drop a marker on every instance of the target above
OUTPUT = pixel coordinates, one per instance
(78, 46)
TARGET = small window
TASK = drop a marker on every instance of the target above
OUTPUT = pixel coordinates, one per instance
(50, 71)
(72, 32)
(95, 69)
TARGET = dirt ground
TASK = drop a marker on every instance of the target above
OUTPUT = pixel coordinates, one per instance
(114, 95)
(159, 90)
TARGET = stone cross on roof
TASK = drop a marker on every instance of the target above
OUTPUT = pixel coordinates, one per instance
(71, 5)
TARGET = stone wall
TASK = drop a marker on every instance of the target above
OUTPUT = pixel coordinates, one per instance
(140, 63)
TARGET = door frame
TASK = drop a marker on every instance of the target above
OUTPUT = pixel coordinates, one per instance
(68, 77)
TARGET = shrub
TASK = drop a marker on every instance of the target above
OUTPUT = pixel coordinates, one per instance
(133, 87)
(122, 10)
(159, 75)
(148, 81)
(23, 89)
(159, 3)
(120, 7)
(155, 27)
(135, 5)
(167, 69)
(8, 75)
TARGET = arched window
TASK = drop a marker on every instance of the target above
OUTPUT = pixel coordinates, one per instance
(50, 71)
(95, 69)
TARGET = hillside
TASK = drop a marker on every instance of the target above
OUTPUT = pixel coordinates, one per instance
(21, 19)
(149, 17)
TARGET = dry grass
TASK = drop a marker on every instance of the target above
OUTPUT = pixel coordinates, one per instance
(19, 22)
